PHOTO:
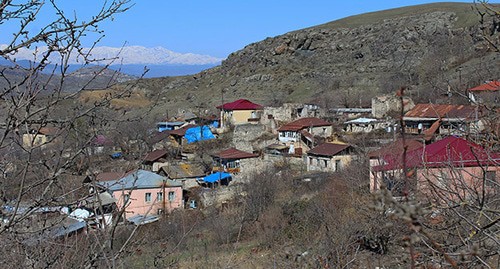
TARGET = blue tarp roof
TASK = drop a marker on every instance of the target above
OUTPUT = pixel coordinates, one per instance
(198, 133)
(216, 177)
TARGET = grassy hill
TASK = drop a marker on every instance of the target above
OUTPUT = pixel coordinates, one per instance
(346, 62)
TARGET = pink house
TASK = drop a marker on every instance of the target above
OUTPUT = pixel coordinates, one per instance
(145, 193)
(450, 169)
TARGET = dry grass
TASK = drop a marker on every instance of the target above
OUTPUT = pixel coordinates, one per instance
(116, 97)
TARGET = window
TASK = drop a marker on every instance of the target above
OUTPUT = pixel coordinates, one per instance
(171, 196)
(490, 177)
(325, 163)
(159, 196)
(147, 197)
(338, 165)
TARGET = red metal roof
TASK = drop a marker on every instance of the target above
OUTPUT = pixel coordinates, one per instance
(241, 104)
(489, 86)
(304, 123)
(328, 149)
(395, 148)
(441, 111)
(451, 151)
(235, 154)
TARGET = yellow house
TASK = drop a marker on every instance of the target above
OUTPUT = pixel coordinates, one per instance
(38, 137)
(239, 112)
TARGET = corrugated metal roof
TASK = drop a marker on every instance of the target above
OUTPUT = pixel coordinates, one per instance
(304, 123)
(235, 154)
(183, 170)
(489, 86)
(182, 131)
(434, 111)
(140, 179)
(328, 149)
(241, 104)
(450, 151)
(155, 155)
(395, 148)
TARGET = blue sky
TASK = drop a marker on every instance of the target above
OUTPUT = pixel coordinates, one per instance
(219, 27)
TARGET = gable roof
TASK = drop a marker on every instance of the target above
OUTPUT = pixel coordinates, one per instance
(182, 131)
(304, 123)
(155, 155)
(234, 154)
(450, 151)
(328, 149)
(241, 104)
(489, 86)
(433, 111)
(183, 170)
(140, 179)
(395, 148)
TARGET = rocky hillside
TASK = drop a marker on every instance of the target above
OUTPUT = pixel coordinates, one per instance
(346, 62)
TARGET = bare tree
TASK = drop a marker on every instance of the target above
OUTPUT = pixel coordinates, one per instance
(45, 130)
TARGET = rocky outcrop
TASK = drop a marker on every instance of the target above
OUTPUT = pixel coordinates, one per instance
(335, 65)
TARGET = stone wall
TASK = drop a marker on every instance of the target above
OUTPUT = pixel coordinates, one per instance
(383, 106)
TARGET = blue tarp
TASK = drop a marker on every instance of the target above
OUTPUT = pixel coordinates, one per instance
(198, 133)
(216, 177)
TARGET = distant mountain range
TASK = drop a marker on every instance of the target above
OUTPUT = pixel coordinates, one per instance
(132, 60)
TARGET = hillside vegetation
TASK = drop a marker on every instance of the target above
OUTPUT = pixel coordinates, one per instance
(346, 62)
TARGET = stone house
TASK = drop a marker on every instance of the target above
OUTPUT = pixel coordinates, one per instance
(300, 135)
(41, 136)
(387, 105)
(233, 161)
(488, 93)
(329, 157)
(431, 119)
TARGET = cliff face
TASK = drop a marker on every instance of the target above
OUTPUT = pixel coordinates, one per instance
(349, 61)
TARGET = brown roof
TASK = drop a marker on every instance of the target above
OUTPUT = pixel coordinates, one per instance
(235, 154)
(182, 131)
(395, 148)
(328, 149)
(49, 130)
(304, 123)
(183, 170)
(155, 155)
(107, 176)
(440, 111)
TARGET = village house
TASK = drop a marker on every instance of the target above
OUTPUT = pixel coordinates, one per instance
(390, 106)
(450, 169)
(430, 119)
(186, 173)
(288, 112)
(154, 160)
(394, 150)
(40, 136)
(329, 157)
(169, 125)
(100, 144)
(343, 114)
(233, 161)
(488, 92)
(239, 112)
(144, 193)
(301, 134)
(366, 125)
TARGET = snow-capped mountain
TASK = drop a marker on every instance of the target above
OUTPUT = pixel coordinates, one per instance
(126, 55)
